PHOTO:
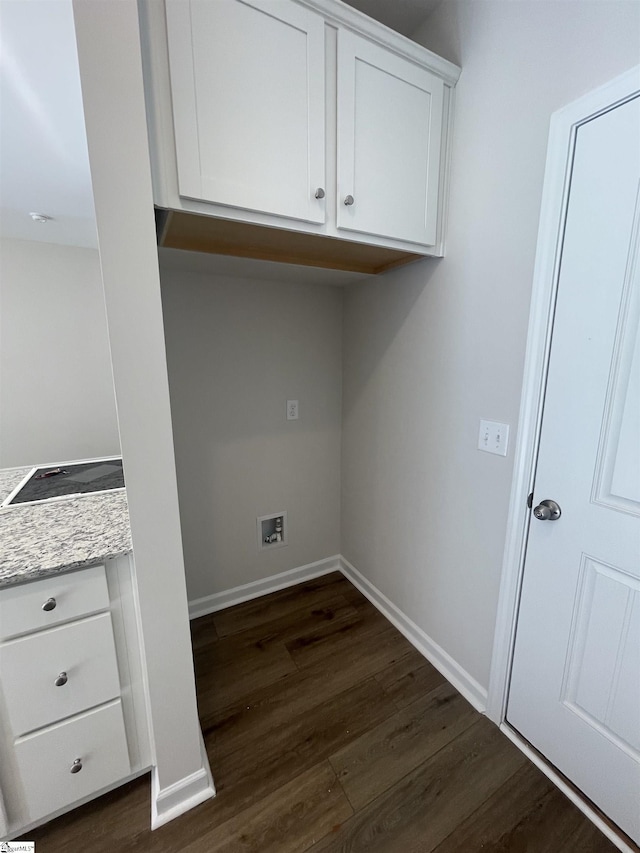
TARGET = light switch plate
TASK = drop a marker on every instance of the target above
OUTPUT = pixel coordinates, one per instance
(493, 437)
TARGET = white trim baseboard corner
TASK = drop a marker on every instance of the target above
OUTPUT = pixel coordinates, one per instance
(472, 691)
(568, 790)
(255, 589)
(183, 795)
(562, 132)
(435, 654)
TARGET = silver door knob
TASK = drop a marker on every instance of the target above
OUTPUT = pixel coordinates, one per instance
(61, 680)
(50, 604)
(76, 767)
(547, 511)
(319, 193)
(348, 200)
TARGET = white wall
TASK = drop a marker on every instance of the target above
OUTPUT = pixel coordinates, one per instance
(108, 39)
(56, 387)
(432, 348)
(237, 350)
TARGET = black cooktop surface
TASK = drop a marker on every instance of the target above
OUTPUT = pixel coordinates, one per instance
(65, 480)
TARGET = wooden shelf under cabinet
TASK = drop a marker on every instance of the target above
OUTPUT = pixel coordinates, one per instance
(191, 232)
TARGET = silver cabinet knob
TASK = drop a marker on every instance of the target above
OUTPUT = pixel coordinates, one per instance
(547, 510)
(319, 193)
(348, 200)
(61, 680)
(76, 767)
(50, 604)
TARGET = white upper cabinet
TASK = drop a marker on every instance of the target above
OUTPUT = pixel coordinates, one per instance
(274, 113)
(389, 136)
(247, 81)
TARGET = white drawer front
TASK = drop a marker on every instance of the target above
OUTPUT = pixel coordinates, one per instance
(45, 759)
(82, 654)
(72, 595)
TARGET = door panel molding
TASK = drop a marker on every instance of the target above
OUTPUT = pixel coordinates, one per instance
(617, 485)
(598, 707)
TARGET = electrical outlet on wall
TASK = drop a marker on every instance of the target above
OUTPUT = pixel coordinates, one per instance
(493, 437)
(292, 410)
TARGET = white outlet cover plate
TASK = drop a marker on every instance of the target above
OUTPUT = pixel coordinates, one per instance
(493, 437)
(292, 410)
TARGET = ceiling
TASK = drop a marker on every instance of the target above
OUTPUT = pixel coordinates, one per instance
(404, 16)
(44, 166)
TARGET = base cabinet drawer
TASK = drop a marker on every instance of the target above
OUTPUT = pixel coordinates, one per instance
(71, 760)
(44, 603)
(58, 673)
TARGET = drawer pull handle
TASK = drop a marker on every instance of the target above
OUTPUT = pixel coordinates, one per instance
(348, 200)
(50, 604)
(76, 767)
(61, 680)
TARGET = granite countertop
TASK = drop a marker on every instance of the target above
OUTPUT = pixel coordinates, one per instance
(42, 539)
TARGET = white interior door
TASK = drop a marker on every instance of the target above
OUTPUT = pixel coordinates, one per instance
(575, 684)
(247, 81)
(389, 137)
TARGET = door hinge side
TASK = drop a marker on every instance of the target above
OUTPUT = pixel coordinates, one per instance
(530, 500)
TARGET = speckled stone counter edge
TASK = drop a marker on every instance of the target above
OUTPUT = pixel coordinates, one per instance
(43, 539)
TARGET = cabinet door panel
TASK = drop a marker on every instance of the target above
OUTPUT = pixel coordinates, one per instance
(389, 138)
(247, 78)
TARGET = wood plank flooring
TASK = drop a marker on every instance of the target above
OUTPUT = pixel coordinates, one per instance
(327, 731)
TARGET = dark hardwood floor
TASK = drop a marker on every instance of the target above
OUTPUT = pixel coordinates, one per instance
(327, 731)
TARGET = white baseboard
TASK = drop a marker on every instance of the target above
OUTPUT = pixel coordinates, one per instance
(185, 794)
(255, 589)
(568, 790)
(472, 691)
(451, 669)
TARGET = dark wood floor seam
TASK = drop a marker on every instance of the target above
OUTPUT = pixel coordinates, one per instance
(400, 778)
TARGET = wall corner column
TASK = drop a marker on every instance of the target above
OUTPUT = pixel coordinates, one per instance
(108, 41)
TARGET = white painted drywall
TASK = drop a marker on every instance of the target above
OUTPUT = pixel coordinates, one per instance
(108, 41)
(237, 350)
(57, 400)
(432, 348)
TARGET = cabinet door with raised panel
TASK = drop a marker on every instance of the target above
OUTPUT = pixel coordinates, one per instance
(389, 138)
(247, 81)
